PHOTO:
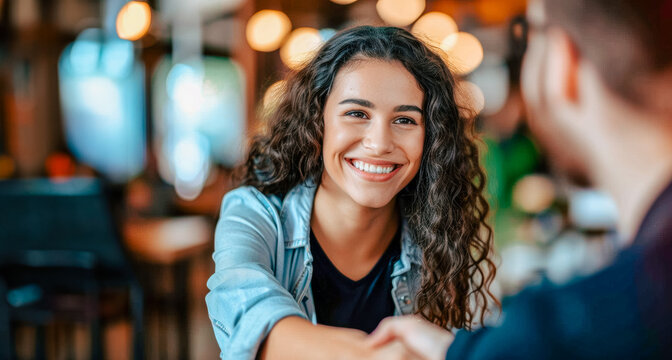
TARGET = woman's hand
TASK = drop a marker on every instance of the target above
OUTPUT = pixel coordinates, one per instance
(418, 336)
(296, 338)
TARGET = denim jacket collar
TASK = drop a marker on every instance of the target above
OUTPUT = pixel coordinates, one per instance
(295, 215)
(297, 208)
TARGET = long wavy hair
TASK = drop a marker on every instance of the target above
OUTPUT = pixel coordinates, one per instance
(446, 208)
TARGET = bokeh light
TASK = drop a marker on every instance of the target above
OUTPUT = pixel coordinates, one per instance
(272, 95)
(191, 161)
(118, 58)
(343, 2)
(470, 97)
(103, 104)
(400, 12)
(434, 27)
(593, 210)
(464, 50)
(493, 78)
(520, 264)
(266, 29)
(534, 193)
(85, 52)
(184, 86)
(102, 96)
(134, 20)
(190, 139)
(300, 46)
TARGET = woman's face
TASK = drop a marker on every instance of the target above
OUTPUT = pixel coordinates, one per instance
(373, 132)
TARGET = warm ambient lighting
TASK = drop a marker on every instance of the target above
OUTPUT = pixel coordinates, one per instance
(59, 165)
(400, 12)
(470, 97)
(497, 12)
(272, 95)
(266, 29)
(133, 20)
(434, 27)
(534, 193)
(464, 51)
(343, 2)
(300, 46)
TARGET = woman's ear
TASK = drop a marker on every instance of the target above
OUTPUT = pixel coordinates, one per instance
(562, 86)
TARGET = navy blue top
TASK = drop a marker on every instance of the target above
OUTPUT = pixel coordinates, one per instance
(343, 302)
(622, 312)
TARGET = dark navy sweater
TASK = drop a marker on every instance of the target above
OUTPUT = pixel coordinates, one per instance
(621, 312)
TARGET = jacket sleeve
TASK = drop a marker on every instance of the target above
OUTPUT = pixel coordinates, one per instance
(524, 334)
(245, 299)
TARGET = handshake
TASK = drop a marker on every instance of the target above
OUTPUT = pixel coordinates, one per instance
(409, 337)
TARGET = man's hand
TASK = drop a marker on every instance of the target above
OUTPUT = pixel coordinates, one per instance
(393, 350)
(418, 335)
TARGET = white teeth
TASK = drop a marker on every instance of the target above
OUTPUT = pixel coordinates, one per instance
(373, 169)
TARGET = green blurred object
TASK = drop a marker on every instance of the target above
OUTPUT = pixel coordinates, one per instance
(505, 162)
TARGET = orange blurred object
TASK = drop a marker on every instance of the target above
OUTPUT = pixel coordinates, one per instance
(60, 165)
(266, 30)
(167, 240)
(400, 12)
(492, 12)
(133, 20)
(300, 47)
(434, 27)
(465, 52)
(6, 166)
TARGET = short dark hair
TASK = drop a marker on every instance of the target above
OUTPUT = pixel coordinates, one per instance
(629, 41)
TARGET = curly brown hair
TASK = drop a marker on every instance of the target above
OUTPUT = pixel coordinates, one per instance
(447, 210)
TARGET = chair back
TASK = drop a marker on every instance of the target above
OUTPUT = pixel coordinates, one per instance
(54, 224)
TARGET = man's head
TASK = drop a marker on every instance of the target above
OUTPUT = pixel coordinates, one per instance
(629, 41)
(587, 56)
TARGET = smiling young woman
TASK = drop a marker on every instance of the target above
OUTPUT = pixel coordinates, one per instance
(364, 200)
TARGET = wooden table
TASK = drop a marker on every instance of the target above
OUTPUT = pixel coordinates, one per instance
(170, 243)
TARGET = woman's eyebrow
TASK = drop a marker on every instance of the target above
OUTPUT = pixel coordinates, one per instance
(368, 104)
(402, 108)
(360, 102)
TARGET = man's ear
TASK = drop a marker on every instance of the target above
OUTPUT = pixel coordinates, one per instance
(562, 86)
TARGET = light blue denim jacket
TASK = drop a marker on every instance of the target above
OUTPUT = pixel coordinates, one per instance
(263, 268)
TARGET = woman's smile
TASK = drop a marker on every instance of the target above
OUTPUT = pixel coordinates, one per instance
(373, 170)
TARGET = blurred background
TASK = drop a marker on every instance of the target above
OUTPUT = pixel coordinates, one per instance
(121, 122)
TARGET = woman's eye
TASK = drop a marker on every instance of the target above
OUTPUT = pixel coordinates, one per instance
(358, 114)
(405, 121)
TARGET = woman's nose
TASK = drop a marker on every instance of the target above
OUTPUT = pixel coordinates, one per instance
(378, 138)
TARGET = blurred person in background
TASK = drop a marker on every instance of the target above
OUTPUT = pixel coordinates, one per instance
(597, 80)
(363, 200)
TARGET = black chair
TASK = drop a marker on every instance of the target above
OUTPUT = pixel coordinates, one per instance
(58, 240)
